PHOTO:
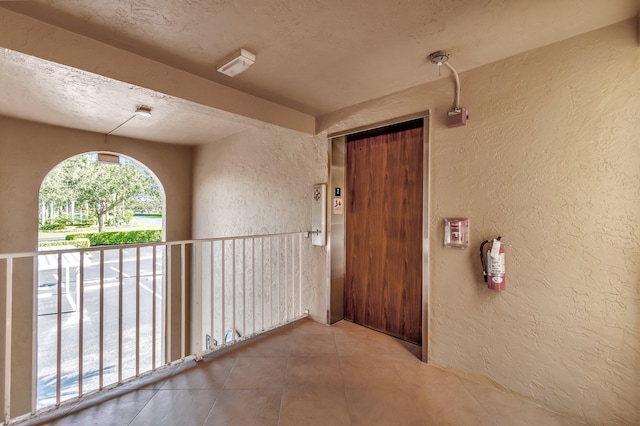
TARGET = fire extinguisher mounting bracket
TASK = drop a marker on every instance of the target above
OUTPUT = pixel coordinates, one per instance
(493, 264)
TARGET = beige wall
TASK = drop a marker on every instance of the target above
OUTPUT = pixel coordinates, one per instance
(260, 182)
(549, 159)
(28, 151)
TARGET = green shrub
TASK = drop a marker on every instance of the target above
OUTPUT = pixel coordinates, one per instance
(77, 243)
(52, 226)
(84, 224)
(63, 220)
(117, 238)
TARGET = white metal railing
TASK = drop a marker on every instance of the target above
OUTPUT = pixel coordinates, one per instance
(108, 315)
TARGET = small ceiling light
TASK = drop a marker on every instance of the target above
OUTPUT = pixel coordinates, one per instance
(237, 63)
(143, 111)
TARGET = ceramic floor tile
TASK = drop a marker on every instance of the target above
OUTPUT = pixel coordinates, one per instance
(314, 344)
(501, 404)
(153, 380)
(267, 346)
(344, 326)
(176, 407)
(205, 374)
(314, 371)
(60, 416)
(306, 326)
(404, 350)
(359, 332)
(307, 374)
(257, 373)
(359, 372)
(314, 407)
(385, 406)
(415, 373)
(246, 408)
(120, 410)
(348, 346)
(454, 406)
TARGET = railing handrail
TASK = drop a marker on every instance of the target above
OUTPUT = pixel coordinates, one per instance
(242, 286)
(149, 244)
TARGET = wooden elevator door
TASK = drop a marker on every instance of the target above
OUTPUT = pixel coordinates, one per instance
(383, 241)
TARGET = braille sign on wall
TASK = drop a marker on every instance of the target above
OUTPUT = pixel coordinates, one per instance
(337, 192)
(337, 206)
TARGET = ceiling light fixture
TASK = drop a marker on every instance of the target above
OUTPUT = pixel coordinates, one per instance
(143, 111)
(239, 62)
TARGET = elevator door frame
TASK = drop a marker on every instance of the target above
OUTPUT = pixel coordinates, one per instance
(336, 223)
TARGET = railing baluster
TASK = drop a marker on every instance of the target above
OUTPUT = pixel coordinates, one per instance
(286, 277)
(224, 283)
(290, 289)
(233, 292)
(244, 288)
(80, 288)
(7, 339)
(293, 278)
(154, 259)
(270, 282)
(198, 301)
(59, 331)
(253, 284)
(168, 331)
(279, 282)
(34, 337)
(120, 309)
(294, 265)
(183, 300)
(137, 311)
(262, 282)
(101, 310)
(212, 307)
(300, 274)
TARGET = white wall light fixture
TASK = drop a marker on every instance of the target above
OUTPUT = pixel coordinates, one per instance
(237, 63)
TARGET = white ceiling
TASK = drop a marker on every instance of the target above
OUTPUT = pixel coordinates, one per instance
(313, 56)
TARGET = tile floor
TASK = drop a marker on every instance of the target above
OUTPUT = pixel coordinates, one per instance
(307, 374)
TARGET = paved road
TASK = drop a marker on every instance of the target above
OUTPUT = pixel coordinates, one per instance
(51, 237)
(91, 320)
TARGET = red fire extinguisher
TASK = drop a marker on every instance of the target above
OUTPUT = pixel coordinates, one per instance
(493, 267)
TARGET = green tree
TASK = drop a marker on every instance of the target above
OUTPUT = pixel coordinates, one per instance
(103, 187)
(59, 188)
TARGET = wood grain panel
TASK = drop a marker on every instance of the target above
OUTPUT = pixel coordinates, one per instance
(383, 282)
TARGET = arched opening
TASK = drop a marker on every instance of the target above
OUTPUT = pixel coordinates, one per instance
(100, 308)
(97, 192)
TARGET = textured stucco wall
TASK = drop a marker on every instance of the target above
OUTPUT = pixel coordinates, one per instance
(260, 182)
(549, 160)
(28, 151)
